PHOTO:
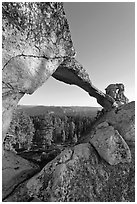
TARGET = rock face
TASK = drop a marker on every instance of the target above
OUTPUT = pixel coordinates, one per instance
(36, 40)
(116, 91)
(110, 144)
(78, 175)
(123, 120)
(101, 169)
(15, 170)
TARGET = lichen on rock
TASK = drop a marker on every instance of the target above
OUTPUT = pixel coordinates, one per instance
(37, 29)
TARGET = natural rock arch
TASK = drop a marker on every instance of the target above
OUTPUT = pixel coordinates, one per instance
(37, 44)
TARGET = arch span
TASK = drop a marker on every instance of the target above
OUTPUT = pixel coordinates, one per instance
(70, 71)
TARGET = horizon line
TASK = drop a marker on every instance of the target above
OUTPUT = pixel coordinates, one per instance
(59, 105)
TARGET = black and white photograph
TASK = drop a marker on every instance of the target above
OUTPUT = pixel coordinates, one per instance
(68, 101)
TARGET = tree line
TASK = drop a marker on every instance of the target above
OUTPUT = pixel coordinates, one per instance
(41, 131)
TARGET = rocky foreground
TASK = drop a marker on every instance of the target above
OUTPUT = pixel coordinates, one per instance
(99, 169)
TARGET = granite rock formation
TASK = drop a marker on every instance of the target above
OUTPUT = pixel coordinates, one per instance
(110, 145)
(36, 43)
(15, 170)
(116, 91)
(70, 71)
(123, 120)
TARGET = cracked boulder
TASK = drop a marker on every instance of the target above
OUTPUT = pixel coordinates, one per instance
(36, 44)
(110, 145)
(79, 174)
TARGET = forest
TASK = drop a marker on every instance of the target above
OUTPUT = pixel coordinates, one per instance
(39, 131)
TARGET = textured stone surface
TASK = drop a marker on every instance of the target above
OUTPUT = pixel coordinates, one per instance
(78, 174)
(36, 38)
(72, 72)
(110, 145)
(15, 170)
(123, 120)
(116, 91)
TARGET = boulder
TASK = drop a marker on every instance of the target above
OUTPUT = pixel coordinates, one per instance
(110, 145)
(15, 170)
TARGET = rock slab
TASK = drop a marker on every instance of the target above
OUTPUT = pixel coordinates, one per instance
(110, 145)
(15, 170)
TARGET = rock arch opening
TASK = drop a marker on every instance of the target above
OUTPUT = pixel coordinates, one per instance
(37, 45)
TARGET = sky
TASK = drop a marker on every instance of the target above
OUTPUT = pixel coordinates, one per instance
(103, 35)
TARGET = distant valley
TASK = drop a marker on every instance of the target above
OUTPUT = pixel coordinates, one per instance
(60, 110)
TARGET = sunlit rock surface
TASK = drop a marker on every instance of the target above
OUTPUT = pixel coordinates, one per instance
(110, 144)
(36, 38)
